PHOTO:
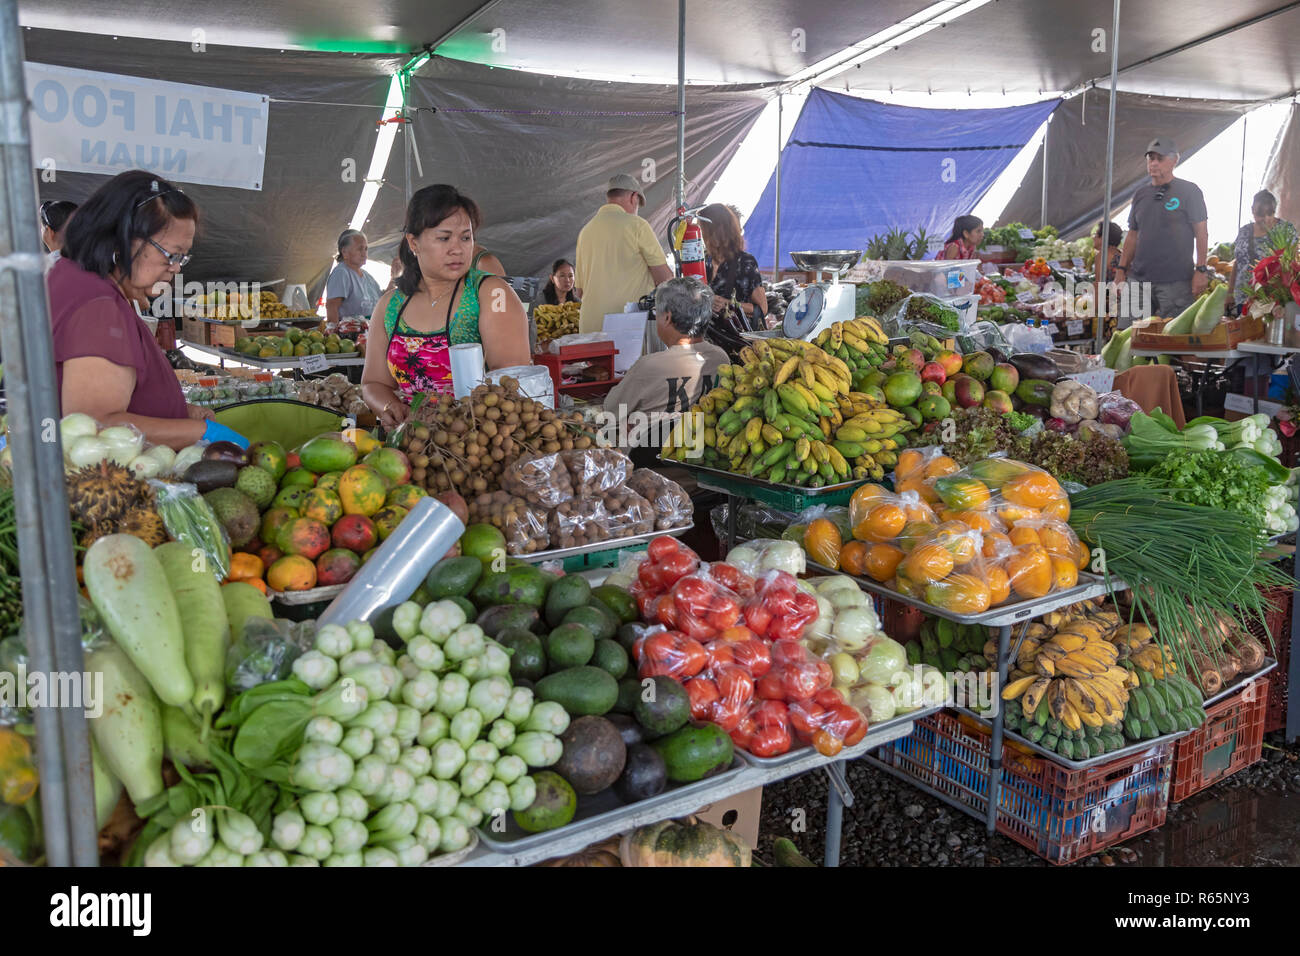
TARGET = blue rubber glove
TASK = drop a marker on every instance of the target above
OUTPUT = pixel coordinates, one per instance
(219, 432)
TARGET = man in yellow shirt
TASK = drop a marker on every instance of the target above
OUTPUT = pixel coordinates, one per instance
(619, 256)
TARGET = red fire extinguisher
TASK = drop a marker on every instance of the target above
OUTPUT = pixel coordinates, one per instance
(688, 244)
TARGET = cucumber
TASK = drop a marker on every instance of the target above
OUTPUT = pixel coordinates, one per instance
(242, 602)
(203, 623)
(130, 590)
(128, 730)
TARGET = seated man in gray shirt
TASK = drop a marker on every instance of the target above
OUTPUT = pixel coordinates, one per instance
(1167, 232)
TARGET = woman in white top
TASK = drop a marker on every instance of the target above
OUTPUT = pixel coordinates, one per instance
(350, 290)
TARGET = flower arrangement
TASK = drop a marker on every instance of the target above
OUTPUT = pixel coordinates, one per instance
(1277, 276)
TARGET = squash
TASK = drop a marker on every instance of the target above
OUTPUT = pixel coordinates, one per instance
(603, 854)
(17, 772)
(670, 843)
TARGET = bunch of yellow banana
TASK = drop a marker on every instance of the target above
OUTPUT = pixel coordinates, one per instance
(1154, 659)
(858, 334)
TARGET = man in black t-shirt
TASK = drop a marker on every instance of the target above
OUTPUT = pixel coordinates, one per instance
(1167, 231)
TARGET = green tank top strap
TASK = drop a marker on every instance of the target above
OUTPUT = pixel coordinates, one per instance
(394, 311)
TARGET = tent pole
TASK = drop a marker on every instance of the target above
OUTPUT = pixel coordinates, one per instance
(50, 612)
(776, 232)
(681, 103)
(1241, 182)
(1103, 229)
(1047, 129)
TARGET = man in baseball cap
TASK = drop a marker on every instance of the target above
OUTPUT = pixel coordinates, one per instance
(619, 257)
(1168, 239)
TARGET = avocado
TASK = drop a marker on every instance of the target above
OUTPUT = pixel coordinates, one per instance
(594, 754)
(569, 645)
(504, 617)
(619, 601)
(582, 691)
(667, 710)
(628, 729)
(565, 594)
(695, 751)
(644, 774)
(524, 584)
(421, 597)
(629, 690)
(553, 806)
(629, 634)
(453, 577)
(610, 656)
(598, 619)
(527, 658)
(209, 475)
(461, 602)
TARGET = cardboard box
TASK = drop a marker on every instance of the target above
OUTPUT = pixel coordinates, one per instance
(741, 814)
(1228, 334)
(226, 334)
(194, 330)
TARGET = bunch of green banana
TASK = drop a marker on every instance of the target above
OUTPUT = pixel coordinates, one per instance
(948, 646)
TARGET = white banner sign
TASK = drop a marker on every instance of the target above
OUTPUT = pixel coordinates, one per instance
(88, 122)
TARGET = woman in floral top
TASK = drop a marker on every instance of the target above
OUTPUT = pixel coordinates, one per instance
(739, 299)
(439, 301)
(1252, 242)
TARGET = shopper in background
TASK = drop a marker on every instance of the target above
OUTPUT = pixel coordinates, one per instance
(559, 287)
(1110, 252)
(672, 380)
(1253, 244)
(967, 235)
(439, 301)
(619, 257)
(350, 290)
(55, 214)
(130, 237)
(739, 299)
(1167, 232)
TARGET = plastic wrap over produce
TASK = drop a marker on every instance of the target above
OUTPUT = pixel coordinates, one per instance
(393, 572)
(541, 481)
(593, 470)
(618, 513)
(673, 506)
(524, 526)
(189, 518)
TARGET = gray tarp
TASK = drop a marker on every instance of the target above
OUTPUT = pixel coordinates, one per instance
(535, 152)
(1282, 177)
(537, 177)
(1076, 162)
(1037, 46)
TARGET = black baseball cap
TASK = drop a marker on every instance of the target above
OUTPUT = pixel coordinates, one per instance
(1162, 145)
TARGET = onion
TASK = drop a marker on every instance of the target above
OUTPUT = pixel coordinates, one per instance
(165, 457)
(76, 425)
(874, 700)
(87, 450)
(146, 466)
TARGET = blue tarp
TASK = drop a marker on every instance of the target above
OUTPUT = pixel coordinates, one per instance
(855, 168)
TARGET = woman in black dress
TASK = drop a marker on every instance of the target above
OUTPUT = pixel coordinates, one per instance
(739, 299)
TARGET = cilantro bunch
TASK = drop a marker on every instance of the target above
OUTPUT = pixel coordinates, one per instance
(1215, 479)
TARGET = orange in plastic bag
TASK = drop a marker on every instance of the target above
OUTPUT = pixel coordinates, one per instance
(882, 561)
(959, 540)
(913, 533)
(928, 562)
(999, 585)
(883, 522)
(1033, 489)
(940, 467)
(1023, 534)
(822, 542)
(1082, 556)
(922, 488)
(960, 593)
(853, 557)
(1058, 508)
(1064, 573)
(996, 546)
(1029, 569)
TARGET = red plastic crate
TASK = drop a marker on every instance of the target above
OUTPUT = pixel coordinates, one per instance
(1063, 815)
(901, 621)
(1278, 643)
(1231, 739)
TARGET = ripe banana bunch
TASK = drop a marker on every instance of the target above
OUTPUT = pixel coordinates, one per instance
(1154, 659)
(858, 334)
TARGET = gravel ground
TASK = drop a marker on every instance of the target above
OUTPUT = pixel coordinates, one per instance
(1252, 818)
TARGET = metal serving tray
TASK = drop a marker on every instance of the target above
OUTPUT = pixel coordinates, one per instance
(1089, 586)
(1239, 683)
(759, 483)
(1137, 748)
(594, 810)
(610, 545)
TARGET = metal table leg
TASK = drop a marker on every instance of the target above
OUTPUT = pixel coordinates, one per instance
(995, 746)
(840, 796)
(732, 504)
(1293, 669)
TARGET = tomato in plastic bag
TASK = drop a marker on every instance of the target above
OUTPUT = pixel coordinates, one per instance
(671, 654)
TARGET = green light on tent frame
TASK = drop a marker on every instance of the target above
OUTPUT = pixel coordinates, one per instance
(336, 45)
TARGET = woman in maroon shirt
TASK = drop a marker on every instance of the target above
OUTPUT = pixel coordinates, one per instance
(132, 234)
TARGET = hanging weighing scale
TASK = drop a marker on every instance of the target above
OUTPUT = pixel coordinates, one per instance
(819, 304)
